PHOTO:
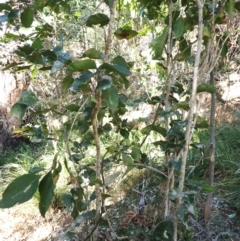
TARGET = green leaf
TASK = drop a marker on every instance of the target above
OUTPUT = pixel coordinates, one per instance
(82, 65)
(124, 133)
(179, 27)
(127, 160)
(104, 84)
(37, 43)
(20, 190)
(57, 65)
(93, 54)
(111, 178)
(136, 154)
(109, 3)
(230, 4)
(206, 88)
(73, 107)
(46, 188)
(175, 193)
(85, 216)
(207, 187)
(110, 96)
(184, 105)
(9, 37)
(121, 33)
(155, 128)
(16, 114)
(158, 44)
(115, 68)
(4, 6)
(66, 83)
(86, 75)
(119, 60)
(98, 18)
(13, 14)
(27, 98)
(27, 17)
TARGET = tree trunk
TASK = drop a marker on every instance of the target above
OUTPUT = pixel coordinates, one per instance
(12, 84)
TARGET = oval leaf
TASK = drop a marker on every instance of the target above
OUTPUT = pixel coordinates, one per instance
(121, 33)
(110, 96)
(206, 88)
(104, 84)
(27, 17)
(93, 54)
(178, 27)
(158, 44)
(82, 65)
(98, 18)
(115, 68)
(19, 190)
(66, 83)
(46, 188)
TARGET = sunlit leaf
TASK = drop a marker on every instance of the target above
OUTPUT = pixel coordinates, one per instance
(111, 178)
(127, 160)
(93, 54)
(82, 65)
(19, 190)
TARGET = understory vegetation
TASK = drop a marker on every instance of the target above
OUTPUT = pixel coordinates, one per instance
(129, 128)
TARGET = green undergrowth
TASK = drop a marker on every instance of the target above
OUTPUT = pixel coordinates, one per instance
(227, 161)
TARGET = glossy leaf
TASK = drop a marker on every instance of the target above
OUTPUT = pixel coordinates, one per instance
(46, 188)
(96, 19)
(119, 60)
(19, 190)
(104, 84)
(119, 69)
(86, 75)
(82, 65)
(27, 17)
(110, 96)
(155, 128)
(121, 33)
